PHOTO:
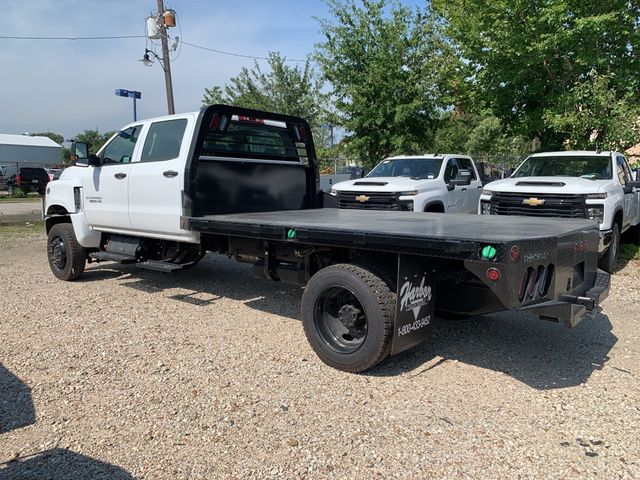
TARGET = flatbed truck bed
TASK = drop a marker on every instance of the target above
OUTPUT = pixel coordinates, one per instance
(449, 236)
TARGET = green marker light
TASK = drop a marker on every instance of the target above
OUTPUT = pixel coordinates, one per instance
(488, 252)
(291, 234)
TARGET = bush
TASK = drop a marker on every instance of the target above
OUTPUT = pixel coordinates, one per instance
(17, 192)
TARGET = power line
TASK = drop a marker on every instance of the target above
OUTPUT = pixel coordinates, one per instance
(5, 37)
(236, 54)
(119, 37)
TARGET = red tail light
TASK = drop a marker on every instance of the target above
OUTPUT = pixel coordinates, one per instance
(18, 179)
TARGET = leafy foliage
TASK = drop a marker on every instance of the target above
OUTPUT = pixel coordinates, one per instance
(482, 136)
(286, 89)
(592, 113)
(526, 60)
(94, 138)
(380, 59)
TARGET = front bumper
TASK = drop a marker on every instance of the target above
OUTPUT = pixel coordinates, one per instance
(569, 309)
(605, 240)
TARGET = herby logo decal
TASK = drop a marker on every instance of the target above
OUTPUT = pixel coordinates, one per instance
(413, 297)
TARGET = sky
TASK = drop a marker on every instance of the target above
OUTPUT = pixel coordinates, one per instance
(67, 86)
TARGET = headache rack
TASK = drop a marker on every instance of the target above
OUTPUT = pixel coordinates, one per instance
(539, 205)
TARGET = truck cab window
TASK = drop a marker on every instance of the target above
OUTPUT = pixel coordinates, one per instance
(465, 164)
(120, 149)
(623, 175)
(164, 140)
(451, 170)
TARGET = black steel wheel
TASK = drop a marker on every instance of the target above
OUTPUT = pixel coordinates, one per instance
(347, 314)
(609, 260)
(67, 258)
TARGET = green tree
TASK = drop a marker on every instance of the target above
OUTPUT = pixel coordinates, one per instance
(523, 58)
(380, 59)
(286, 89)
(94, 138)
(592, 113)
(56, 137)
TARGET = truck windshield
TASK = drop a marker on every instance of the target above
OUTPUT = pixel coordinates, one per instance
(417, 168)
(593, 167)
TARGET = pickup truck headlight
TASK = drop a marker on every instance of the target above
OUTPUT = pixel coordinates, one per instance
(486, 192)
(334, 192)
(410, 193)
(596, 196)
(596, 212)
(485, 208)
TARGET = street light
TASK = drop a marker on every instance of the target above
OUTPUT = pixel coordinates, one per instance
(146, 61)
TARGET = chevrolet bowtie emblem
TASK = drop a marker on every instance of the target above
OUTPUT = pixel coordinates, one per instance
(362, 198)
(533, 202)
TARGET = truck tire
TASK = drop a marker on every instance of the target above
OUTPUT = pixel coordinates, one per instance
(67, 257)
(609, 260)
(348, 314)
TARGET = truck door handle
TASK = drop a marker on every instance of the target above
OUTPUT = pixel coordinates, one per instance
(170, 173)
(120, 175)
(479, 187)
(464, 189)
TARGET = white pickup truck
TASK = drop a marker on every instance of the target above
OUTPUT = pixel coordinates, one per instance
(422, 183)
(163, 192)
(572, 184)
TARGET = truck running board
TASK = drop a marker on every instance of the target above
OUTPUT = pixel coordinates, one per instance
(114, 257)
(162, 266)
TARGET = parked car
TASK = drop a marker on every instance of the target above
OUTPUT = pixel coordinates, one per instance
(420, 183)
(28, 179)
(54, 173)
(572, 184)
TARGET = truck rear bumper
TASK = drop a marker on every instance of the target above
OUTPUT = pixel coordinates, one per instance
(569, 309)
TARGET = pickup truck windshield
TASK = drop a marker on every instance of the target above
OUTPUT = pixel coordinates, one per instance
(591, 167)
(417, 168)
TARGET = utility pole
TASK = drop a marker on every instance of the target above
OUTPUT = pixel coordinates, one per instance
(165, 58)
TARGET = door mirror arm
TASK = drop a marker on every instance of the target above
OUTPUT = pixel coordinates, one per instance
(94, 160)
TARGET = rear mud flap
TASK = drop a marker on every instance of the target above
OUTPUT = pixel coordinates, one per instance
(415, 302)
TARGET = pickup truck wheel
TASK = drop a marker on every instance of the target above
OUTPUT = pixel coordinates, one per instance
(609, 260)
(347, 315)
(66, 256)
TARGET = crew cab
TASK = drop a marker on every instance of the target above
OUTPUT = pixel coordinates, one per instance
(422, 183)
(243, 183)
(573, 184)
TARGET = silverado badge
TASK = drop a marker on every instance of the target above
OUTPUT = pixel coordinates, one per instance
(362, 198)
(533, 202)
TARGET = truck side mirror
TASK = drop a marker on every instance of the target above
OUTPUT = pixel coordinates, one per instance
(79, 153)
(94, 160)
(508, 172)
(630, 186)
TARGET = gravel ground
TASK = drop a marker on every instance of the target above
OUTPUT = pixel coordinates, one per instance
(14, 212)
(207, 374)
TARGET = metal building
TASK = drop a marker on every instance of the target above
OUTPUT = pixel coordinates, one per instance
(26, 150)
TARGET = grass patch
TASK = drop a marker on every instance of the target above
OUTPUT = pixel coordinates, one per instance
(629, 252)
(29, 199)
(22, 229)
